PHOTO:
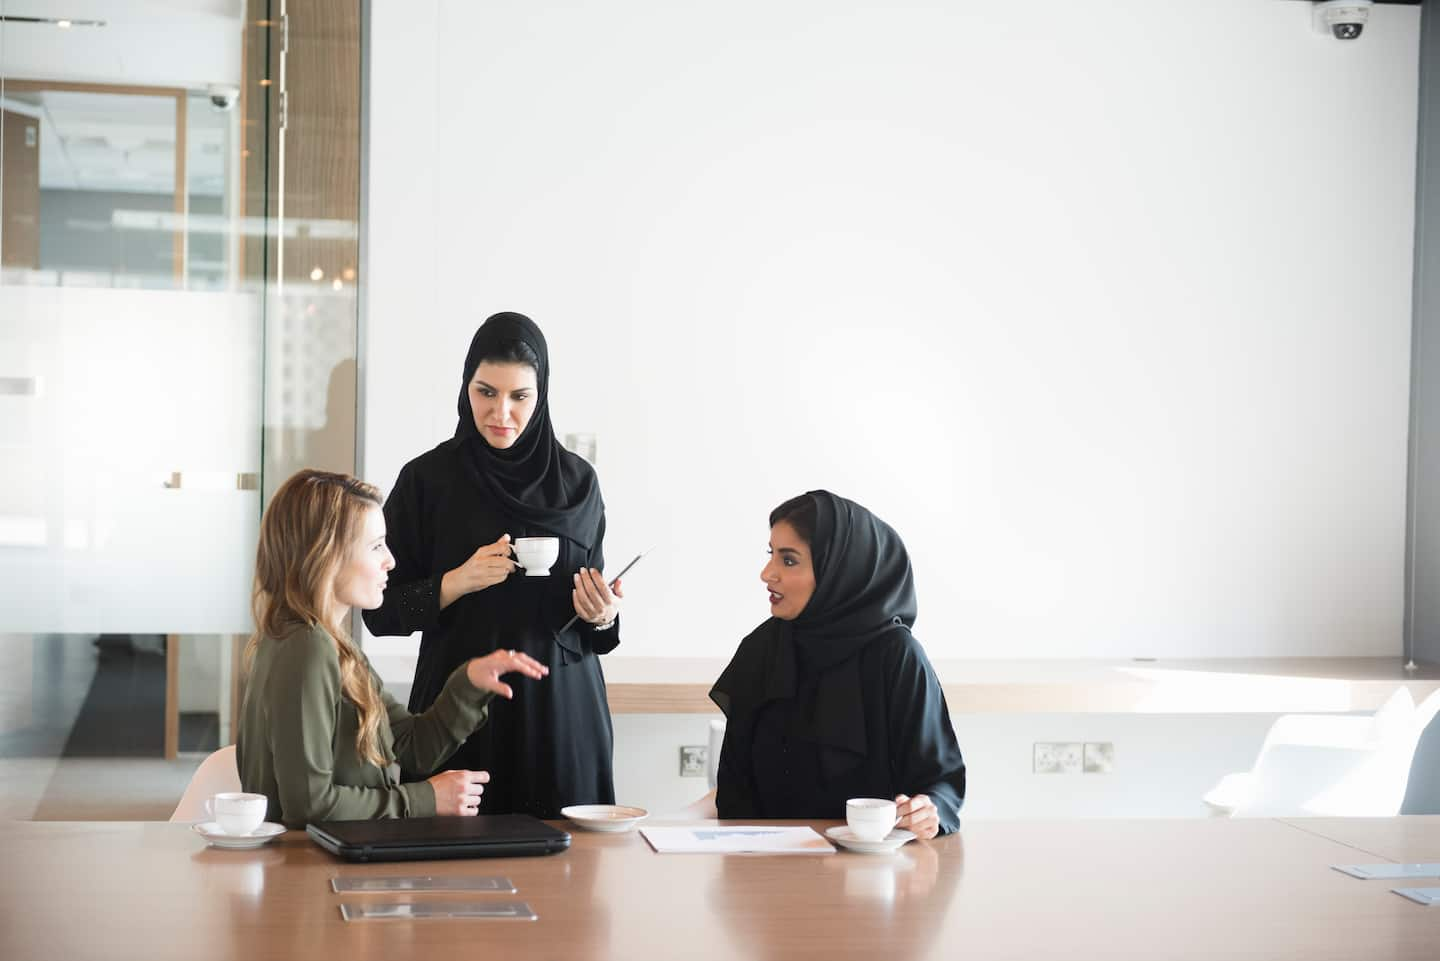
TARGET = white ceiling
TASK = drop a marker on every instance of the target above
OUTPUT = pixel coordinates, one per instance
(96, 141)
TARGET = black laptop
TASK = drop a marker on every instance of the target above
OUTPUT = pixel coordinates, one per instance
(433, 839)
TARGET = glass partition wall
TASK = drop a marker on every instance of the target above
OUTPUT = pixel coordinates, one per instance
(179, 195)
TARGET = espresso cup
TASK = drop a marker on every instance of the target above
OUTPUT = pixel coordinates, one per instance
(237, 813)
(537, 554)
(870, 818)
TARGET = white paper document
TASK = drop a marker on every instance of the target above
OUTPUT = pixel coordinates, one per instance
(1425, 896)
(736, 839)
(1389, 872)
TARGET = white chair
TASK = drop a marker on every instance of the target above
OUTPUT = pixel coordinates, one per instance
(216, 774)
(1330, 765)
(712, 753)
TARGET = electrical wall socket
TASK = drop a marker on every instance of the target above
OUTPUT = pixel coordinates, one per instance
(582, 444)
(1099, 757)
(1057, 757)
(692, 760)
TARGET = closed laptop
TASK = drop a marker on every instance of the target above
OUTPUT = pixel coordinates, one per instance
(430, 839)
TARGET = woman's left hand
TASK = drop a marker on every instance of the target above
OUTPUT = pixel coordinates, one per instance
(595, 602)
(918, 815)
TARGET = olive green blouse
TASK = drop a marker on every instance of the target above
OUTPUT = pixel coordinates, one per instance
(296, 738)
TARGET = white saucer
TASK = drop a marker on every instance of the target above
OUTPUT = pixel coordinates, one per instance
(846, 838)
(605, 817)
(264, 834)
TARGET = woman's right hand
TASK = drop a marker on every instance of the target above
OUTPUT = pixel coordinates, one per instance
(486, 567)
(484, 672)
(458, 792)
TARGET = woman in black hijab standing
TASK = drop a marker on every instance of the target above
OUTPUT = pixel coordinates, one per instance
(833, 698)
(451, 518)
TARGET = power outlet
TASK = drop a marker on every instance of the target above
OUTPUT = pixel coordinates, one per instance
(692, 760)
(582, 444)
(1099, 757)
(1057, 757)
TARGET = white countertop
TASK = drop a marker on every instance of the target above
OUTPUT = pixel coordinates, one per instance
(1190, 686)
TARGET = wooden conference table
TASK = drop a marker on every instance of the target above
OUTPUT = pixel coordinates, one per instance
(1088, 889)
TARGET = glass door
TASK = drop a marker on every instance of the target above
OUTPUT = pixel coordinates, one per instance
(177, 335)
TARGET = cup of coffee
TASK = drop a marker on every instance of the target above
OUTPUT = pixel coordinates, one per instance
(537, 554)
(236, 812)
(870, 818)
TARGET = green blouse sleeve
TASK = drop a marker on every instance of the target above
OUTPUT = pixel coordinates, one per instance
(303, 700)
(424, 741)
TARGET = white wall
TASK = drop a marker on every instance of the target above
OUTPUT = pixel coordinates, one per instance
(1163, 763)
(203, 664)
(1108, 315)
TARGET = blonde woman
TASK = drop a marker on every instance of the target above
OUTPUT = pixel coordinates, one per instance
(318, 735)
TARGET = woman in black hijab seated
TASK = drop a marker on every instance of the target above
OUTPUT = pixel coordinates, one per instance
(833, 697)
(451, 518)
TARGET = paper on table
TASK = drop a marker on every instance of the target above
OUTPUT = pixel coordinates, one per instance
(1425, 896)
(1389, 872)
(736, 839)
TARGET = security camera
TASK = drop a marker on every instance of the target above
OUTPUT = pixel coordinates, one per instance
(223, 95)
(1342, 18)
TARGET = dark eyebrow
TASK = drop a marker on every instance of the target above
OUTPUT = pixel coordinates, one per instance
(788, 550)
(515, 391)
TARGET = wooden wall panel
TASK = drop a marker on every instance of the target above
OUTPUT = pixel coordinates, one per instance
(322, 175)
(19, 190)
(322, 137)
(255, 138)
(311, 332)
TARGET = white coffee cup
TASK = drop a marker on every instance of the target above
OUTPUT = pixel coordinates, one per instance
(870, 818)
(237, 813)
(537, 554)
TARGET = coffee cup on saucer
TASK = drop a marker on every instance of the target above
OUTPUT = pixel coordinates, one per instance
(870, 818)
(236, 812)
(537, 554)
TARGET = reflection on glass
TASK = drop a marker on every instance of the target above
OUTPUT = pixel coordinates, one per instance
(108, 191)
(103, 695)
(212, 184)
(111, 189)
(891, 905)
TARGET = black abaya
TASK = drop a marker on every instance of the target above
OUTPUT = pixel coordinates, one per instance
(841, 702)
(552, 745)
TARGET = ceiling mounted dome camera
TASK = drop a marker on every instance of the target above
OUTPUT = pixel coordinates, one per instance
(1342, 19)
(223, 95)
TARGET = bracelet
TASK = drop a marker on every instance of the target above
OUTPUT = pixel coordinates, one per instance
(603, 627)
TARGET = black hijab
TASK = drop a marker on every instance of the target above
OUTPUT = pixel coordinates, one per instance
(535, 479)
(864, 590)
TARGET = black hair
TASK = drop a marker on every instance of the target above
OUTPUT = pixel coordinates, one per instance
(511, 352)
(799, 513)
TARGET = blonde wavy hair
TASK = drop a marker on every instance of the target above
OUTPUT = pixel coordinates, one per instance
(312, 524)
